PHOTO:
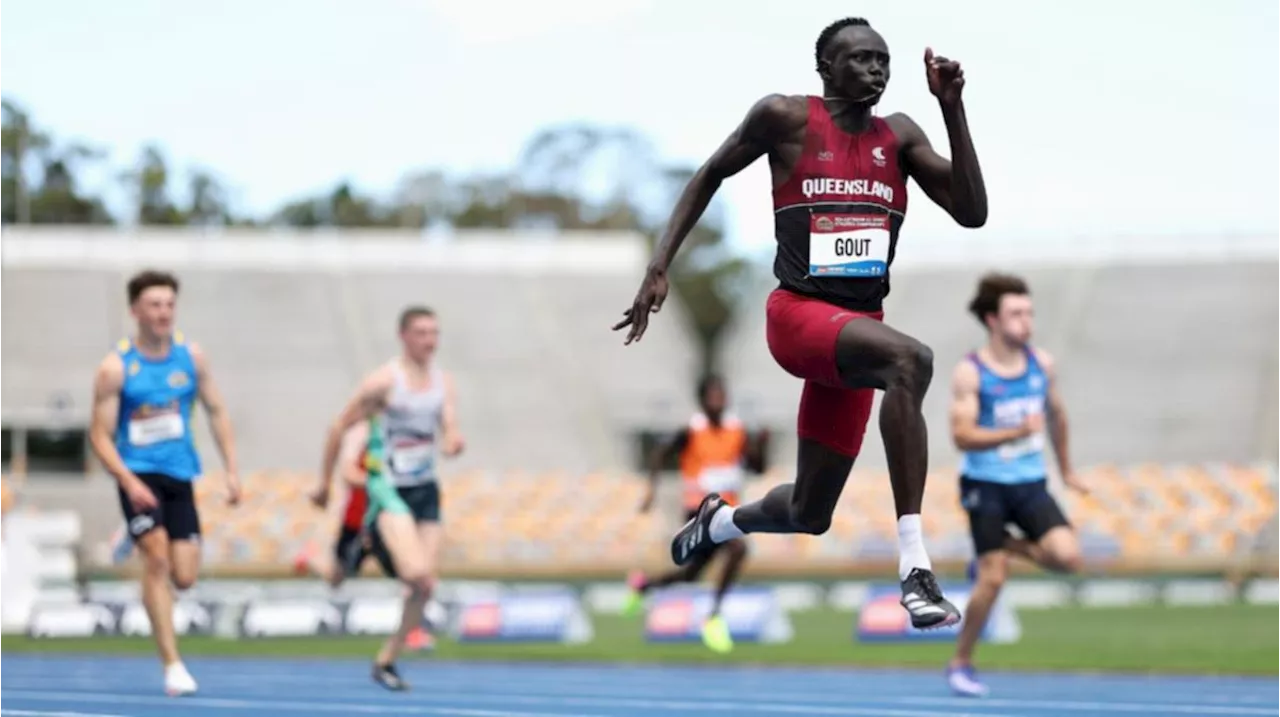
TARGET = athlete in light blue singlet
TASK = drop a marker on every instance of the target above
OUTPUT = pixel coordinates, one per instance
(153, 430)
(144, 396)
(1004, 398)
(1009, 403)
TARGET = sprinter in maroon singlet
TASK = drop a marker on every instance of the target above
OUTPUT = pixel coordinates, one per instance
(840, 196)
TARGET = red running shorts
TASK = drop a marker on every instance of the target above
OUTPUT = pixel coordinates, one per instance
(802, 333)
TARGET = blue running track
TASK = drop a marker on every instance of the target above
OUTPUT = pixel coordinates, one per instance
(48, 686)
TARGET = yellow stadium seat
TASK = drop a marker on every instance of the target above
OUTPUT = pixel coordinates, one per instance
(1152, 511)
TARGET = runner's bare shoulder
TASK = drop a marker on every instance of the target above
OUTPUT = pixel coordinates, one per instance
(780, 115)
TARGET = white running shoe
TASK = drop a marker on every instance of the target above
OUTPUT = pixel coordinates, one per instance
(964, 682)
(177, 681)
(121, 545)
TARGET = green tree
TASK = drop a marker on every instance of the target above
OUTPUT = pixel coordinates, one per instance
(208, 202)
(422, 198)
(579, 176)
(710, 297)
(484, 202)
(610, 178)
(710, 280)
(343, 206)
(302, 214)
(149, 183)
(58, 201)
(20, 141)
(349, 209)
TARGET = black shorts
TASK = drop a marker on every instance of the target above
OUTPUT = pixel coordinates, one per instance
(354, 546)
(423, 501)
(992, 506)
(176, 510)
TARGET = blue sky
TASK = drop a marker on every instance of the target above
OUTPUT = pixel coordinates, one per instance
(1118, 117)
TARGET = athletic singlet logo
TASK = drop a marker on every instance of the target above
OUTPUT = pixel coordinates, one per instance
(141, 524)
(826, 186)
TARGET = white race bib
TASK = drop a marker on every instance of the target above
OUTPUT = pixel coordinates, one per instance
(720, 479)
(412, 458)
(1033, 443)
(166, 426)
(852, 245)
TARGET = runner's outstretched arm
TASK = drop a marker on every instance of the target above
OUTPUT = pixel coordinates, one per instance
(657, 457)
(369, 398)
(219, 422)
(966, 434)
(102, 432)
(755, 452)
(1058, 433)
(453, 441)
(766, 122)
(354, 471)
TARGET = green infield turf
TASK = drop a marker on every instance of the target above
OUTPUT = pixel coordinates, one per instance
(1232, 639)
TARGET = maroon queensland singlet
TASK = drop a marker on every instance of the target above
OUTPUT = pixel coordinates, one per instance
(837, 216)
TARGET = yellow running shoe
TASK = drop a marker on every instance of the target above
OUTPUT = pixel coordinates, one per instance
(635, 598)
(715, 635)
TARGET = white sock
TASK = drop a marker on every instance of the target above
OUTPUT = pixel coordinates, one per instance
(911, 552)
(722, 527)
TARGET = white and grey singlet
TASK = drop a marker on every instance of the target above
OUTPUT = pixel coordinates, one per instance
(411, 427)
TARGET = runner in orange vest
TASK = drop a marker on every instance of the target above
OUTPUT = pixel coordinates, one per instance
(714, 450)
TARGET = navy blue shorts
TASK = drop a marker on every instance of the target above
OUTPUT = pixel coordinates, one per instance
(992, 506)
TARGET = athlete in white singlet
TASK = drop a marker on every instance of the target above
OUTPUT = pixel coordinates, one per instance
(409, 403)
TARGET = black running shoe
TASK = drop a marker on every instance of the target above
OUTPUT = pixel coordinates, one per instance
(387, 676)
(923, 600)
(694, 538)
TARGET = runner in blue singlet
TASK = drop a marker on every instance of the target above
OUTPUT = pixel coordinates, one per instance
(1004, 397)
(144, 397)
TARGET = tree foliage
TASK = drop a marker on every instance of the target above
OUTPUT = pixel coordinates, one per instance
(574, 176)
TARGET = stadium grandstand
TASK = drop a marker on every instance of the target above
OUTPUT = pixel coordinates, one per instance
(1171, 368)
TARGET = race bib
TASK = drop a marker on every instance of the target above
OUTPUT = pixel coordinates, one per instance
(413, 457)
(156, 428)
(720, 479)
(1033, 443)
(852, 245)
